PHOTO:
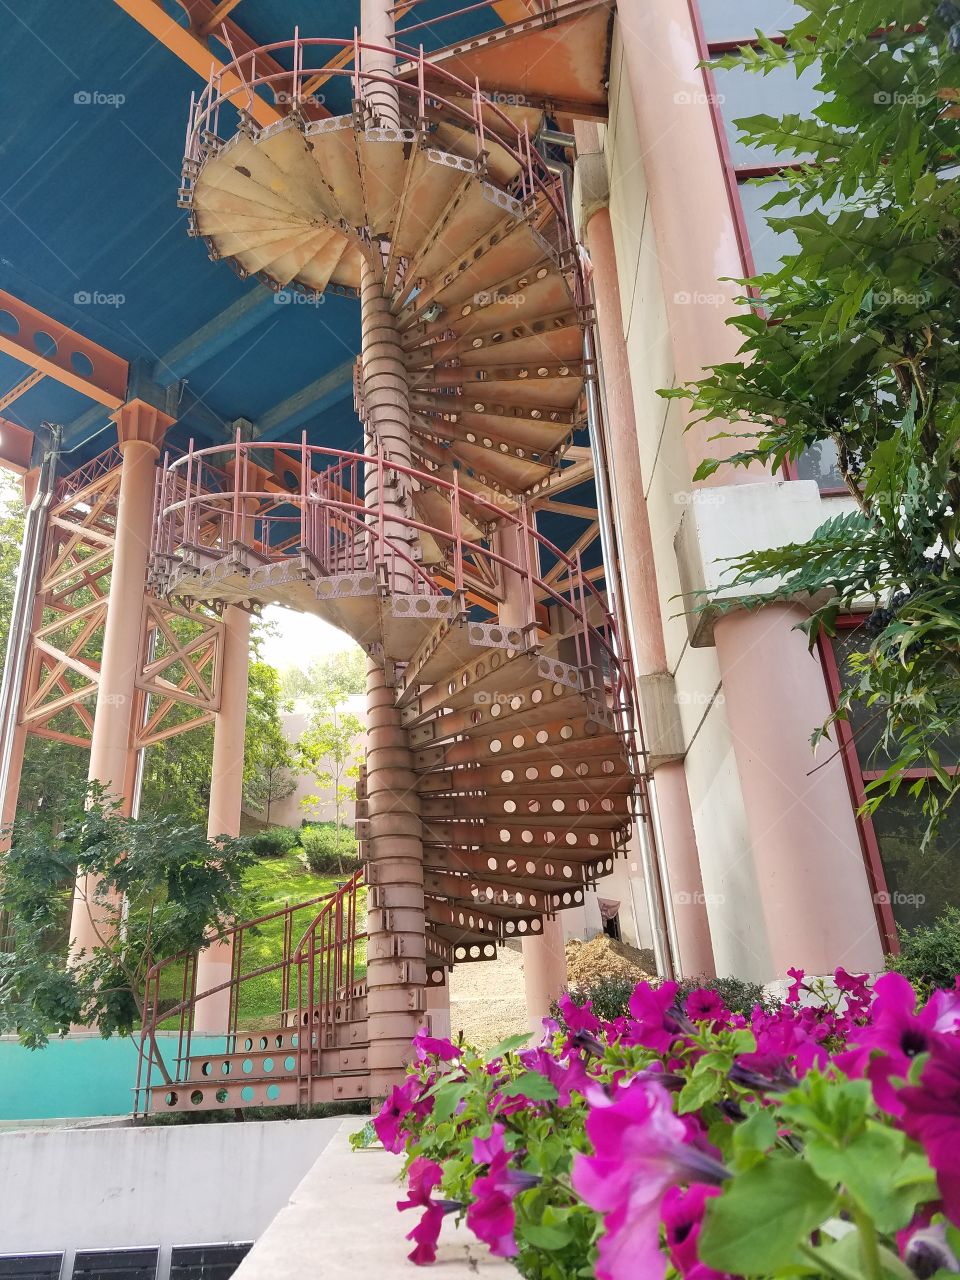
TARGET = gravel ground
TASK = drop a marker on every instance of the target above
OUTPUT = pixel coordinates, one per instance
(487, 1000)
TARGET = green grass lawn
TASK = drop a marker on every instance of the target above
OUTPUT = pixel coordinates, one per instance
(277, 882)
(274, 882)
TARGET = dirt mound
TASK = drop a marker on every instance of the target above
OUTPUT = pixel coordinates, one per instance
(602, 957)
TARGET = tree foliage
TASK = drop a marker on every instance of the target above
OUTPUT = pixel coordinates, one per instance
(270, 764)
(154, 886)
(340, 675)
(855, 340)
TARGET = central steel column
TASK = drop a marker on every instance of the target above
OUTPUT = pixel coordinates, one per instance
(140, 429)
(396, 945)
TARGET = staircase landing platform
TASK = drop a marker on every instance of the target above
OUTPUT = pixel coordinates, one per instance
(345, 1213)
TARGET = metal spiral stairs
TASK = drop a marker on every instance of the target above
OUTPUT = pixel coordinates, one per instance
(513, 691)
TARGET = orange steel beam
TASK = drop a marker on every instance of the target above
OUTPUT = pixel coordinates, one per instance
(223, 9)
(31, 380)
(191, 49)
(55, 351)
(16, 447)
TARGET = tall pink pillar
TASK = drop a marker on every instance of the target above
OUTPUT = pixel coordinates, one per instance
(140, 429)
(544, 970)
(214, 963)
(544, 961)
(804, 841)
(638, 567)
(806, 849)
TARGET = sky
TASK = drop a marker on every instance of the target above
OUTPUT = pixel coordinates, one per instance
(301, 637)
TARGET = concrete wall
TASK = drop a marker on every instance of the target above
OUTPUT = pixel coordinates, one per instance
(83, 1075)
(76, 1189)
(291, 811)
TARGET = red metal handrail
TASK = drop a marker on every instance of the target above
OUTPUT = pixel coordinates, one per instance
(342, 530)
(326, 948)
(535, 179)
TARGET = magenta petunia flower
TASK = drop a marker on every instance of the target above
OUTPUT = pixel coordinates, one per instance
(427, 1046)
(654, 1025)
(931, 1116)
(578, 1017)
(423, 1177)
(491, 1216)
(682, 1213)
(400, 1102)
(796, 987)
(640, 1150)
(567, 1075)
(900, 1032)
(704, 1005)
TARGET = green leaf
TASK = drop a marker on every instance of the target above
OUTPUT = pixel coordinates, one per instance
(530, 1085)
(448, 1097)
(865, 1166)
(756, 1225)
(549, 1236)
(508, 1045)
(753, 1137)
(702, 1087)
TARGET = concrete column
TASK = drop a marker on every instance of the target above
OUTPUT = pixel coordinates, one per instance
(396, 944)
(544, 970)
(226, 801)
(140, 428)
(803, 833)
(638, 569)
(544, 961)
(438, 1008)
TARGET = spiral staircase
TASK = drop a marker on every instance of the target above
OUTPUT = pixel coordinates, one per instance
(512, 691)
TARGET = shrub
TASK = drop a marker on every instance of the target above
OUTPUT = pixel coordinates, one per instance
(610, 997)
(320, 852)
(930, 954)
(274, 841)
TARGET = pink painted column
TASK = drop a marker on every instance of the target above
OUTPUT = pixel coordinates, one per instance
(544, 961)
(638, 567)
(140, 428)
(544, 970)
(806, 848)
(804, 840)
(214, 964)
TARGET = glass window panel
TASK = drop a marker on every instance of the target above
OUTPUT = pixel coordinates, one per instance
(868, 722)
(739, 19)
(33, 1266)
(921, 883)
(747, 93)
(820, 463)
(116, 1264)
(206, 1261)
(770, 246)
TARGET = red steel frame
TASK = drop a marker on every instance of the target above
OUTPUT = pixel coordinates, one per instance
(857, 778)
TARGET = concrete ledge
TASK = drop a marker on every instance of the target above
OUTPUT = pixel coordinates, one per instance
(342, 1221)
(723, 522)
(660, 717)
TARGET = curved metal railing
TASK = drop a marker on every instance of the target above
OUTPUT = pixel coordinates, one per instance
(316, 975)
(235, 85)
(341, 518)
